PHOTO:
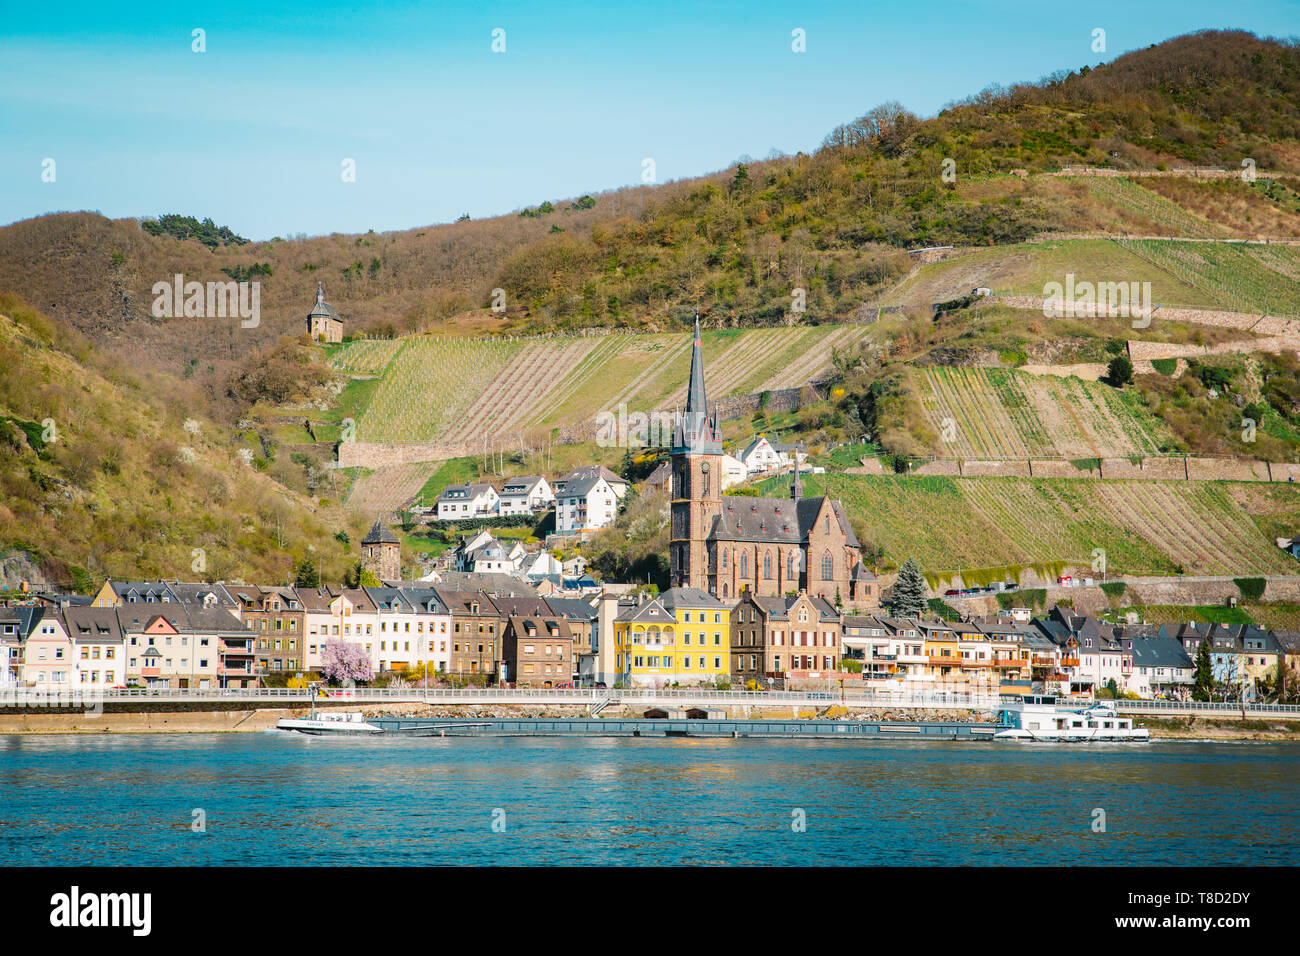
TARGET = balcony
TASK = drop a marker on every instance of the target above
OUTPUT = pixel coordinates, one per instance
(1069, 662)
(1043, 660)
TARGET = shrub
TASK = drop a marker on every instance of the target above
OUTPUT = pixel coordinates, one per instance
(1252, 589)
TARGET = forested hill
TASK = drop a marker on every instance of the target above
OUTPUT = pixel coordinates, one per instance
(733, 243)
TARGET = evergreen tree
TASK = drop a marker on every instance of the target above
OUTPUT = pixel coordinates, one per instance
(305, 574)
(1119, 372)
(1204, 678)
(909, 590)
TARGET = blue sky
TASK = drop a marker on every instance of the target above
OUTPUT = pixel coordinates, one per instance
(254, 131)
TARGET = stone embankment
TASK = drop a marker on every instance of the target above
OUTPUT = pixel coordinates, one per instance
(245, 721)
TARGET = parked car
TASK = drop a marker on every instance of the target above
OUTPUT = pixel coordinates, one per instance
(951, 592)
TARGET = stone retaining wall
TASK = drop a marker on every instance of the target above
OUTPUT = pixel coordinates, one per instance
(1150, 469)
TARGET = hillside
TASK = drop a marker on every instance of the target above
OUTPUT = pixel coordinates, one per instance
(737, 241)
(838, 230)
(101, 475)
(1152, 527)
(458, 390)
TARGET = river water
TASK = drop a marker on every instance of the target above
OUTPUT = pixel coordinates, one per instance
(281, 799)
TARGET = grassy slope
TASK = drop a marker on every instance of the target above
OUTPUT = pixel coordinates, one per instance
(1143, 526)
(1007, 414)
(115, 494)
(431, 388)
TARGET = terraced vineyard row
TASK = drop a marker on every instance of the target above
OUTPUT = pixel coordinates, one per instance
(1245, 278)
(1143, 526)
(1128, 196)
(430, 385)
(454, 390)
(365, 356)
(998, 413)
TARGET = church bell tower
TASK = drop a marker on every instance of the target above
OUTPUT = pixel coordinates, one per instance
(696, 481)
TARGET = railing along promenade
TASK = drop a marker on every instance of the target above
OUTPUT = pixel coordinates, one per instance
(873, 697)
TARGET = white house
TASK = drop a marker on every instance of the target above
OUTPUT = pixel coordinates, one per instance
(481, 553)
(347, 615)
(475, 500)
(540, 565)
(1161, 667)
(616, 482)
(586, 504)
(525, 495)
(733, 471)
(413, 629)
(98, 647)
(48, 661)
(761, 455)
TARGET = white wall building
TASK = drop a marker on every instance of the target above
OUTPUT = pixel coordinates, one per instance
(525, 495)
(475, 500)
(585, 504)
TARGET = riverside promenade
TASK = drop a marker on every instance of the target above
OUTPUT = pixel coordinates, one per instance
(594, 700)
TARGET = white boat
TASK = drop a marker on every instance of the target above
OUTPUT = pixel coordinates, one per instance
(1041, 718)
(350, 723)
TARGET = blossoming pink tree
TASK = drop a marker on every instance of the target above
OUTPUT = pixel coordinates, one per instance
(345, 663)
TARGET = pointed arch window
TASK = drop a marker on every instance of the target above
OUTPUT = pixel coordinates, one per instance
(744, 564)
(767, 564)
(828, 566)
(790, 567)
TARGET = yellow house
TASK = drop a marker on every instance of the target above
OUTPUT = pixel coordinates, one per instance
(681, 637)
(943, 650)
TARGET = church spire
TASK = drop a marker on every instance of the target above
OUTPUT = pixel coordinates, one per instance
(320, 292)
(696, 431)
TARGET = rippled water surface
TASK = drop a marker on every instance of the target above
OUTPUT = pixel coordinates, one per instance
(275, 799)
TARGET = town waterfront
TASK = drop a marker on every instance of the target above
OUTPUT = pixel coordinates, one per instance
(279, 799)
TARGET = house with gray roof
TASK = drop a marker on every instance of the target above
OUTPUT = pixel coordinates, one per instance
(527, 494)
(466, 502)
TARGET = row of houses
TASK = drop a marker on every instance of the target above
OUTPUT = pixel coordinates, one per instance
(584, 500)
(688, 636)
(484, 553)
(1069, 653)
(588, 498)
(175, 635)
(495, 628)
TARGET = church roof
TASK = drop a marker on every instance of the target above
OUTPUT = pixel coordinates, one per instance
(774, 520)
(322, 308)
(761, 519)
(380, 534)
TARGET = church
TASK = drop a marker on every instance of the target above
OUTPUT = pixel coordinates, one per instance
(727, 545)
(323, 323)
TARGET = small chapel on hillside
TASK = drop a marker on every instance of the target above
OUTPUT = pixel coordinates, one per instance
(323, 323)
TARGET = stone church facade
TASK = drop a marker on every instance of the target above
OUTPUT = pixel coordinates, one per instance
(729, 545)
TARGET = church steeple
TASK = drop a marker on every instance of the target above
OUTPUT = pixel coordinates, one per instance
(320, 292)
(696, 432)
